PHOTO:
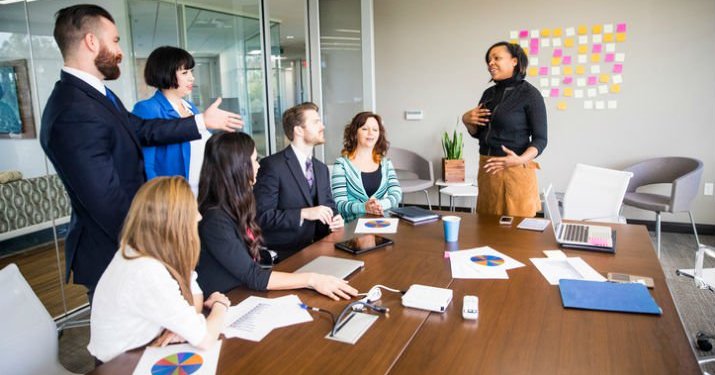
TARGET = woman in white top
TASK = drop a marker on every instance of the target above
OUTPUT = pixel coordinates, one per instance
(148, 294)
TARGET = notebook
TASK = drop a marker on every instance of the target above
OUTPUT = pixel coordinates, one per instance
(606, 296)
(414, 215)
(578, 236)
(338, 267)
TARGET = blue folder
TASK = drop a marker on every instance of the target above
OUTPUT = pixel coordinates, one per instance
(607, 296)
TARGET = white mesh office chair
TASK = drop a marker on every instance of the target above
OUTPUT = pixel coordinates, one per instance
(595, 194)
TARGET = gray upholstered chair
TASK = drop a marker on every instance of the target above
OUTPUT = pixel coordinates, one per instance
(683, 173)
(414, 172)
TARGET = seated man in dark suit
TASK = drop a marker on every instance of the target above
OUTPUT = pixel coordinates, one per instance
(95, 144)
(293, 199)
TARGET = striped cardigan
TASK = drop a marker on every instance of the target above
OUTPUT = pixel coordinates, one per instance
(349, 193)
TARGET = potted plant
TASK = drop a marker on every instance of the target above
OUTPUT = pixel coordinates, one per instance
(452, 163)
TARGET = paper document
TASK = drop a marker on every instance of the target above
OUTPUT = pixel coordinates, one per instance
(377, 225)
(481, 263)
(255, 317)
(534, 224)
(555, 269)
(179, 359)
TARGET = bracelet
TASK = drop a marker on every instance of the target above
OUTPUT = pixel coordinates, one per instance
(219, 302)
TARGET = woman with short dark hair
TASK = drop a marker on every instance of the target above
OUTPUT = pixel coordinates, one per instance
(169, 69)
(510, 123)
(363, 179)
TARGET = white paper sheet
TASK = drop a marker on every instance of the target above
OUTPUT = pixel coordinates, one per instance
(555, 269)
(464, 267)
(534, 224)
(377, 225)
(206, 359)
(255, 317)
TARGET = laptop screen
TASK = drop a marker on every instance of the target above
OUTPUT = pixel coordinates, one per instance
(551, 209)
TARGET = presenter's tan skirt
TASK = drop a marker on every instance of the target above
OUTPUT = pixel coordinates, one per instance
(513, 191)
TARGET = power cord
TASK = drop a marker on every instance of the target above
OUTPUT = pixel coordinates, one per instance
(318, 309)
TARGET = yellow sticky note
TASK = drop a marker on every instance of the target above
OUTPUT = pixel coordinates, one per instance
(514, 41)
(608, 38)
(557, 32)
(568, 91)
(603, 78)
(561, 106)
(526, 50)
(596, 29)
(595, 57)
(532, 71)
(583, 48)
(580, 70)
(555, 60)
(568, 42)
(615, 89)
(582, 30)
(620, 37)
(568, 70)
(545, 33)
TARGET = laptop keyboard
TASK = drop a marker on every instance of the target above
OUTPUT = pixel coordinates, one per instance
(575, 233)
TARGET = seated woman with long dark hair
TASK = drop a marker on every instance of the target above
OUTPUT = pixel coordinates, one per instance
(230, 237)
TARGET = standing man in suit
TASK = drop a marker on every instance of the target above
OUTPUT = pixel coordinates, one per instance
(95, 144)
(293, 199)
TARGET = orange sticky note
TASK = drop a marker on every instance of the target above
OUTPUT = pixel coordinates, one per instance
(526, 50)
(596, 29)
(568, 42)
(561, 106)
(620, 37)
(568, 91)
(557, 32)
(532, 71)
(555, 60)
(583, 48)
(582, 30)
(568, 70)
(603, 78)
(608, 38)
(545, 33)
(580, 70)
(595, 57)
(615, 89)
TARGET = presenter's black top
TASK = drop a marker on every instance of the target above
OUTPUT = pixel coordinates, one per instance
(518, 118)
(225, 262)
(371, 181)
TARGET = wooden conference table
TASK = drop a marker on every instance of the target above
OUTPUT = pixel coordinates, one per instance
(522, 326)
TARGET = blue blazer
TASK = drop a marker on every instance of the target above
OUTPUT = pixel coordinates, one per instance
(95, 148)
(166, 160)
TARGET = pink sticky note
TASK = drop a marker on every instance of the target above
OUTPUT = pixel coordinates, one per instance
(554, 93)
(568, 80)
(534, 46)
(621, 28)
(609, 57)
(523, 34)
(591, 80)
(558, 52)
(596, 48)
(544, 70)
(566, 60)
(617, 68)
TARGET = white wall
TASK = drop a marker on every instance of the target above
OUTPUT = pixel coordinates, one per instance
(430, 56)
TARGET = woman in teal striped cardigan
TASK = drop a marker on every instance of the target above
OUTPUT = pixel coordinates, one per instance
(364, 180)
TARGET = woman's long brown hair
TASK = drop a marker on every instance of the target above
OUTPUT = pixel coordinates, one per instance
(350, 136)
(162, 223)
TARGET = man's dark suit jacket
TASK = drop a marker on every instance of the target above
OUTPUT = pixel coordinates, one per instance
(281, 191)
(95, 148)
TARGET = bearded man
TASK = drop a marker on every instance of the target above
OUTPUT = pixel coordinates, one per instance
(95, 144)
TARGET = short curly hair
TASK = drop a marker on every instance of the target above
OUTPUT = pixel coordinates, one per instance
(350, 136)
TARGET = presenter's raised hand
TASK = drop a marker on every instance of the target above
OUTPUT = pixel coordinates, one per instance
(331, 286)
(477, 116)
(497, 164)
(216, 118)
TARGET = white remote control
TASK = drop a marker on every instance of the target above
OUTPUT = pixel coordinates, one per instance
(470, 307)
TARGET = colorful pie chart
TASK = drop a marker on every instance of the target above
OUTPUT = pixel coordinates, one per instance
(183, 363)
(487, 260)
(377, 224)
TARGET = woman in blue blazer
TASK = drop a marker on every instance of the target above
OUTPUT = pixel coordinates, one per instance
(169, 70)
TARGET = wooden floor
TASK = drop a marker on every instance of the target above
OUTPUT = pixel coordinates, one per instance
(39, 267)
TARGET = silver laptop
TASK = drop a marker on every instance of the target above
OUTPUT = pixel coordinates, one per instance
(338, 267)
(596, 237)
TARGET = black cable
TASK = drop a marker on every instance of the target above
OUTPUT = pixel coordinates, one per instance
(318, 309)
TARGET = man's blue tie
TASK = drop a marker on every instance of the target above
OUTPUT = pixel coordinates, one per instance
(112, 98)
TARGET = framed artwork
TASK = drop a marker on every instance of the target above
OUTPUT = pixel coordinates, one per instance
(16, 115)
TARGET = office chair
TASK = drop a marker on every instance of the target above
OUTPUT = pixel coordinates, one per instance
(29, 344)
(414, 172)
(684, 176)
(595, 194)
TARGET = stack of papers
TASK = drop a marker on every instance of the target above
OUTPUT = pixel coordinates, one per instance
(256, 317)
(557, 266)
(481, 263)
